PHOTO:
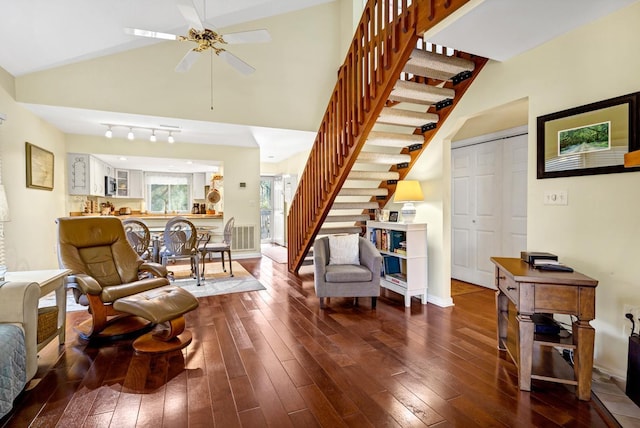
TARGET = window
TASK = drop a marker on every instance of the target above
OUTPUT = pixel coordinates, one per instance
(168, 193)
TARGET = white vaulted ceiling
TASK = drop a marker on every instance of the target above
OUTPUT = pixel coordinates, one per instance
(39, 35)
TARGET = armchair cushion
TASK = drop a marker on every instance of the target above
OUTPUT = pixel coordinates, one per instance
(347, 273)
(343, 249)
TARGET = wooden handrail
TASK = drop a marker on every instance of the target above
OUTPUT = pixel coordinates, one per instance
(383, 41)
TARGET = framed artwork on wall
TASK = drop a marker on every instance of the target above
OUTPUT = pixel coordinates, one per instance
(39, 167)
(590, 139)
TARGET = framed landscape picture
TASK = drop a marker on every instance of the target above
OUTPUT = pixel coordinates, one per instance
(39, 167)
(590, 139)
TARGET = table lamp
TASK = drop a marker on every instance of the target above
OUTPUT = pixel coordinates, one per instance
(408, 191)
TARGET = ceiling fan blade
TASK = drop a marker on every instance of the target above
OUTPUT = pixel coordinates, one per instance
(188, 11)
(187, 61)
(255, 36)
(151, 34)
(236, 62)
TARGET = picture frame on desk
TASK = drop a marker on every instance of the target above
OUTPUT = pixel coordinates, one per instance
(393, 216)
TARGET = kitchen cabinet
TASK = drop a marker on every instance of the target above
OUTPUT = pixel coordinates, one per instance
(136, 184)
(122, 183)
(199, 179)
(404, 251)
(129, 183)
(85, 174)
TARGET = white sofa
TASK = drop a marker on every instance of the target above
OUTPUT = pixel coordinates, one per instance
(19, 308)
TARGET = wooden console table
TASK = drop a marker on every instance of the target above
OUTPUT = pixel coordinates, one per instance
(523, 291)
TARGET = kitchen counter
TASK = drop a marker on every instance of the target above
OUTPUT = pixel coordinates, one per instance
(153, 216)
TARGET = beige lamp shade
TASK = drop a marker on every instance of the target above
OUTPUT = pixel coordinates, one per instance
(408, 191)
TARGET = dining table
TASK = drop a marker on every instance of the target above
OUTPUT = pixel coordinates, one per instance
(157, 237)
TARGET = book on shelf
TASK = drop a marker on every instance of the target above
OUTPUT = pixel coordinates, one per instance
(391, 265)
(397, 278)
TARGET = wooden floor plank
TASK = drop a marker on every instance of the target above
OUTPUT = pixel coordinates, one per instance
(274, 358)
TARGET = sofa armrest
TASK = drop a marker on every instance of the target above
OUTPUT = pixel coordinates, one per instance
(370, 257)
(320, 259)
(19, 304)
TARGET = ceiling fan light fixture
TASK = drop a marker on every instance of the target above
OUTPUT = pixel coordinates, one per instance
(109, 133)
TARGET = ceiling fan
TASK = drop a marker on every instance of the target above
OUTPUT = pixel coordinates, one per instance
(205, 39)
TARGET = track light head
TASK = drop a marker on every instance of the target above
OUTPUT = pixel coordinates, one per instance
(109, 133)
(130, 135)
(170, 139)
(153, 137)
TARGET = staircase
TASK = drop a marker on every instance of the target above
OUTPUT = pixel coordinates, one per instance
(392, 93)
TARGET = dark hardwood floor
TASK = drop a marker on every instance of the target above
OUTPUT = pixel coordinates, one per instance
(273, 358)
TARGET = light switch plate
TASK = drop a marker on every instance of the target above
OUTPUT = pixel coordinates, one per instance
(556, 197)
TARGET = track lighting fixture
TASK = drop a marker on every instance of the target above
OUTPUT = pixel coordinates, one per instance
(131, 136)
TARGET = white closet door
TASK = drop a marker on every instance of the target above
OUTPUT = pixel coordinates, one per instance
(489, 206)
(514, 232)
(476, 209)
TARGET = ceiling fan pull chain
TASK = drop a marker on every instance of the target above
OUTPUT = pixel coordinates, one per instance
(211, 56)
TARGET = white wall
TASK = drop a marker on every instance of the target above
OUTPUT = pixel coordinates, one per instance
(598, 233)
(30, 236)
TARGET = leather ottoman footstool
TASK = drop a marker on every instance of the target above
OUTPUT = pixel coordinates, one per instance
(166, 306)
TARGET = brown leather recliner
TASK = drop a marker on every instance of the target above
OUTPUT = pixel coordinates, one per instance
(104, 268)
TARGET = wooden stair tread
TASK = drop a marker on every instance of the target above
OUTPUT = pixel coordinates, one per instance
(393, 139)
(373, 175)
(355, 205)
(436, 66)
(420, 93)
(346, 218)
(396, 116)
(363, 191)
(383, 158)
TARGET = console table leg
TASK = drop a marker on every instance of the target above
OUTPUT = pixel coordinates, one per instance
(584, 336)
(526, 328)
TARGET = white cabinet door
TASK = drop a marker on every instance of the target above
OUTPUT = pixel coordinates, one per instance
(78, 171)
(122, 183)
(136, 184)
(199, 179)
(96, 169)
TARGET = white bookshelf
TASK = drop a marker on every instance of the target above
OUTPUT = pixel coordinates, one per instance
(412, 263)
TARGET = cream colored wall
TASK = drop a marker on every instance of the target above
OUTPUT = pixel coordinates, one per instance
(239, 164)
(30, 236)
(598, 232)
